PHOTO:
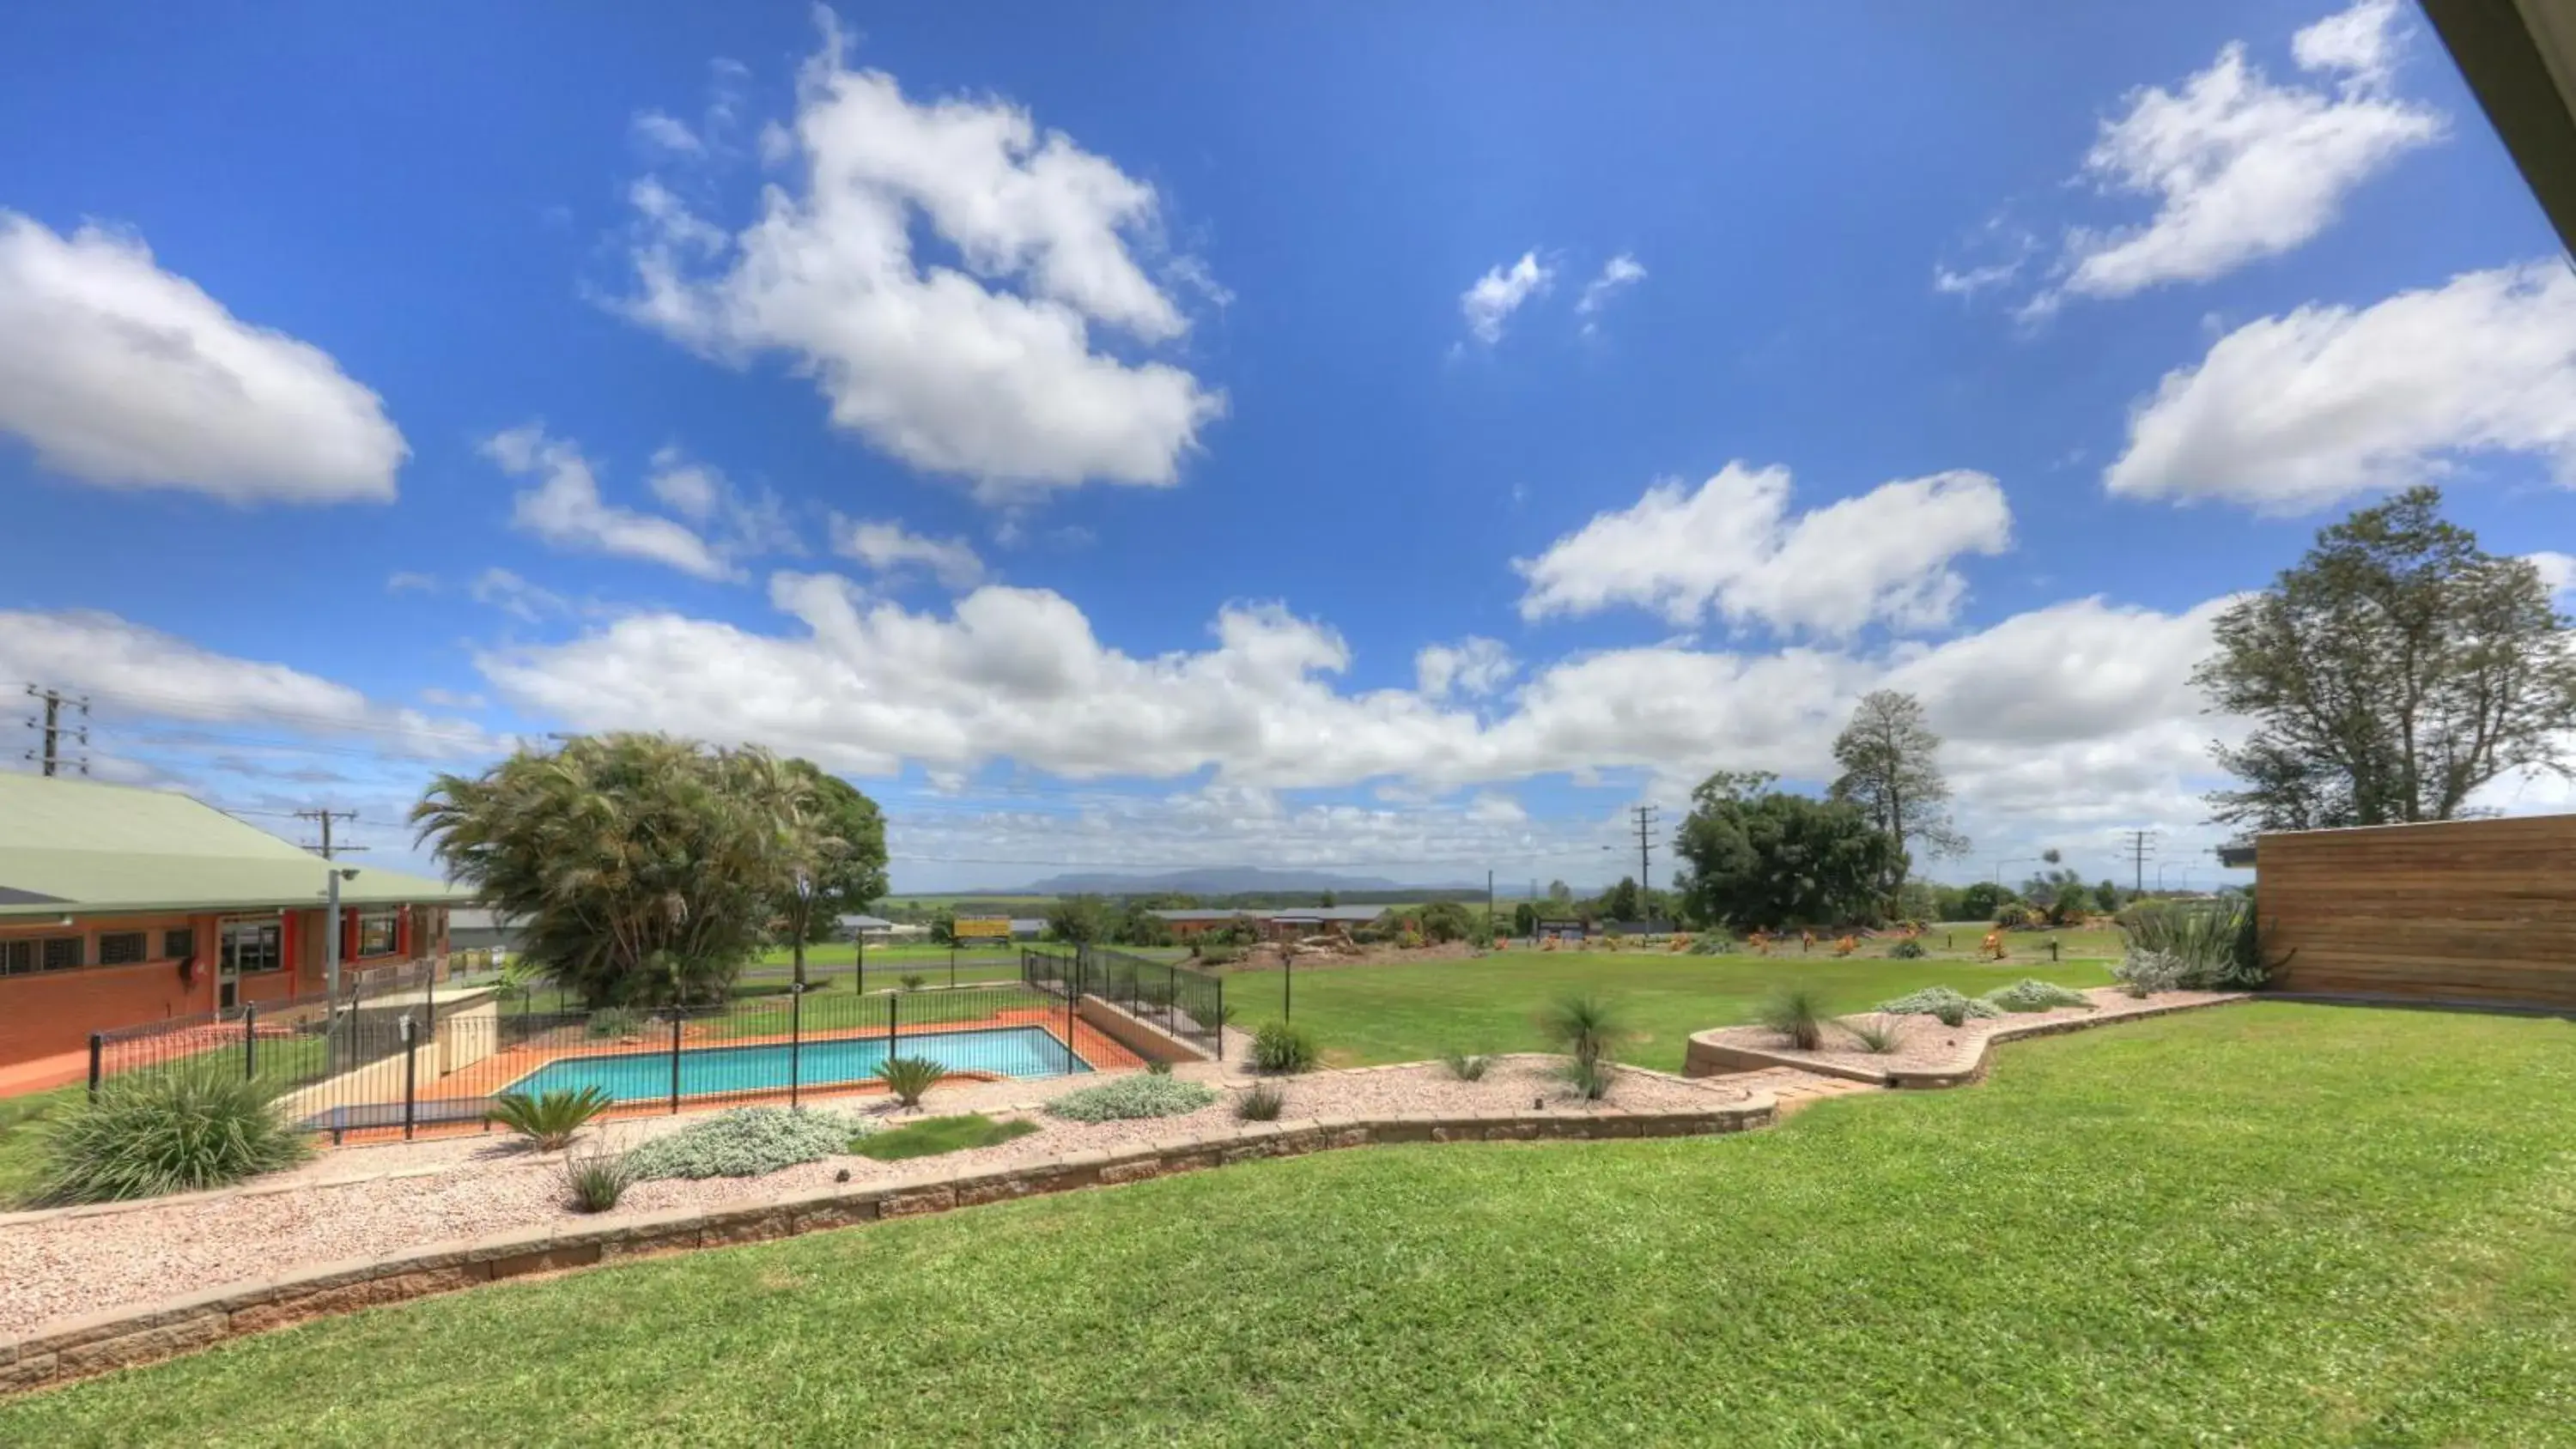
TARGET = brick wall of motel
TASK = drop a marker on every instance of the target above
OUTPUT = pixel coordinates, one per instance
(49, 1012)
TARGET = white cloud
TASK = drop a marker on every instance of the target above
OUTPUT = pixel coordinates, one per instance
(1499, 293)
(566, 510)
(692, 490)
(888, 548)
(2296, 412)
(1969, 281)
(138, 670)
(668, 132)
(1472, 666)
(2242, 168)
(127, 376)
(946, 369)
(1733, 547)
(407, 581)
(1490, 808)
(529, 603)
(1617, 274)
(2557, 571)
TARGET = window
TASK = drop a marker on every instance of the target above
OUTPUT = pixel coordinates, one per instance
(179, 943)
(120, 948)
(17, 958)
(377, 933)
(61, 953)
(251, 946)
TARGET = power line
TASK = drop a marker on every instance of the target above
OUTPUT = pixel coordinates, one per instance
(48, 723)
(327, 849)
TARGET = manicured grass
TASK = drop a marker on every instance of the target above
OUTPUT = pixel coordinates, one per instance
(1366, 1014)
(2268, 1224)
(22, 1139)
(941, 1134)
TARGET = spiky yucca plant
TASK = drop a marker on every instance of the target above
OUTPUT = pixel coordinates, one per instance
(909, 1077)
(548, 1119)
(167, 1132)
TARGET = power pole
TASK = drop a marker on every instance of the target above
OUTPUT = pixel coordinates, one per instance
(1645, 850)
(327, 849)
(50, 729)
(2141, 845)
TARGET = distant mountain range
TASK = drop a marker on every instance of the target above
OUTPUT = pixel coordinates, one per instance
(1218, 881)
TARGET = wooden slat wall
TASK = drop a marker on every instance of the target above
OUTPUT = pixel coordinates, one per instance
(2460, 910)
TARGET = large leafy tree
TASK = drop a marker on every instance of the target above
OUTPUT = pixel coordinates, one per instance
(1762, 859)
(2390, 674)
(1891, 770)
(638, 867)
(835, 856)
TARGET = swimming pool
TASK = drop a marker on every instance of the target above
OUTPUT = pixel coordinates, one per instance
(1013, 1051)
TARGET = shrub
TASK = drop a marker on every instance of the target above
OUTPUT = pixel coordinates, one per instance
(1467, 1067)
(1938, 1001)
(1711, 942)
(167, 1132)
(1590, 1079)
(1409, 939)
(745, 1142)
(548, 1119)
(940, 1134)
(2144, 973)
(2214, 945)
(1588, 1027)
(597, 1180)
(614, 1021)
(914, 981)
(909, 1077)
(1282, 1050)
(1443, 921)
(1877, 1035)
(2029, 995)
(1798, 1014)
(1215, 953)
(1125, 1098)
(1908, 949)
(1263, 1103)
(1159, 1069)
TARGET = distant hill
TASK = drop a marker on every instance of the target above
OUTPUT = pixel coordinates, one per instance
(1227, 881)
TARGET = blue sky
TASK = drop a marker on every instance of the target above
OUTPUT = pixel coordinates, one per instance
(1155, 435)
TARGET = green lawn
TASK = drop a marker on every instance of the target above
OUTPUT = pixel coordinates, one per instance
(2269, 1224)
(1364, 1014)
(22, 1139)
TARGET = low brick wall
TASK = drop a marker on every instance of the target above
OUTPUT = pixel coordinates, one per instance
(1708, 1056)
(1137, 1034)
(147, 1333)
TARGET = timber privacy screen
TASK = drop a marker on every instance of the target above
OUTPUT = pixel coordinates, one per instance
(412, 1061)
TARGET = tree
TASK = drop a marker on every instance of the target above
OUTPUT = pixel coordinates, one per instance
(1445, 921)
(1980, 901)
(1324, 901)
(1619, 903)
(638, 867)
(2389, 675)
(1761, 859)
(1889, 771)
(1138, 925)
(1524, 919)
(2106, 897)
(836, 856)
(1559, 892)
(1081, 920)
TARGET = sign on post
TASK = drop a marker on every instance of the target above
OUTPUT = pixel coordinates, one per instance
(982, 928)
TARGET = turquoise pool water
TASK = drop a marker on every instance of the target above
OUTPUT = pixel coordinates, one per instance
(1014, 1051)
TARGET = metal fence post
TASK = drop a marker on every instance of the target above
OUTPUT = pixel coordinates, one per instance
(411, 1074)
(1220, 1018)
(250, 1042)
(862, 946)
(795, 1037)
(1171, 999)
(97, 1047)
(675, 1061)
(891, 998)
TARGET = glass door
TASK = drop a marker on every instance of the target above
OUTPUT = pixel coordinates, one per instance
(245, 946)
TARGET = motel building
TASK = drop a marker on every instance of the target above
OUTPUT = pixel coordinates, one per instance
(122, 907)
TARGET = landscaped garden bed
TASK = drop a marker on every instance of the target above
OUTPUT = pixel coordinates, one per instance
(366, 1201)
(1925, 1050)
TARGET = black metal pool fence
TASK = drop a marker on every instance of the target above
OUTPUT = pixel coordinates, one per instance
(1182, 1001)
(414, 1056)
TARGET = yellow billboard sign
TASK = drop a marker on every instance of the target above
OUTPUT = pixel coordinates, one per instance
(982, 928)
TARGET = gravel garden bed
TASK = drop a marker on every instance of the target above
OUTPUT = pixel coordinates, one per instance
(364, 1201)
(1925, 1045)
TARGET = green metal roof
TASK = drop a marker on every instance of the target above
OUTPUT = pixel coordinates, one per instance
(77, 846)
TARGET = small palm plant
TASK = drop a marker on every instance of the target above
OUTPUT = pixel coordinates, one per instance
(548, 1119)
(597, 1180)
(1798, 1014)
(1589, 1028)
(909, 1077)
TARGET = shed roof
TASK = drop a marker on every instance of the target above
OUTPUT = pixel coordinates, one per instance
(81, 846)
